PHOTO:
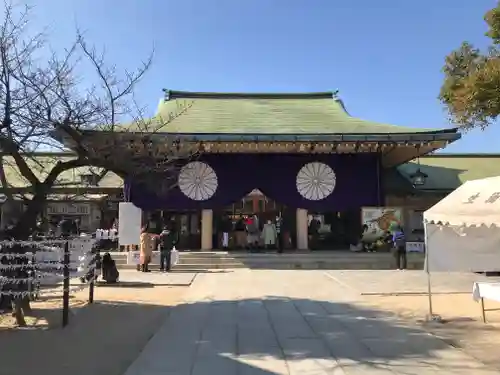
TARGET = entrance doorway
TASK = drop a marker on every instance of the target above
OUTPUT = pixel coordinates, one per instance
(188, 224)
(255, 203)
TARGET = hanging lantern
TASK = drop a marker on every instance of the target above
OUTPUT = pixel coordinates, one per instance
(418, 178)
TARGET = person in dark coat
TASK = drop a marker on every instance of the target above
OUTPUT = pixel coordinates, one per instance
(168, 239)
(239, 233)
(279, 231)
(226, 228)
(110, 273)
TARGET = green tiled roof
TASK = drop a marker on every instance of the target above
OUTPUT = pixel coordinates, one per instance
(211, 113)
(449, 171)
(41, 165)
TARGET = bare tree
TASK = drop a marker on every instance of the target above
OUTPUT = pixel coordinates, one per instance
(45, 104)
(41, 97)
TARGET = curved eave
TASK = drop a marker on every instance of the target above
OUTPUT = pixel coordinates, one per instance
(395, 149)
(447, 135)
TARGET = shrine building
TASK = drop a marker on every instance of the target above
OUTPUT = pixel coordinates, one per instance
(293, 155)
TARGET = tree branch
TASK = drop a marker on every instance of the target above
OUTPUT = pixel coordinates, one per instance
(61, 167)
(12, 149)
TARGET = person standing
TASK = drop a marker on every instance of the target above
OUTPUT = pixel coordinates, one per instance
(313, 232)
(239, 233)
(269, 234)
(253, 233)
(279, 240)
(168, 239)
(147, 242)
(226, 228)
(399, 244)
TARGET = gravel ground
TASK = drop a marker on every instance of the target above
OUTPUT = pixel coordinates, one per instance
(463, 327)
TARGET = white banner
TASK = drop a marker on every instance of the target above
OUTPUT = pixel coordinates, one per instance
(129, 224)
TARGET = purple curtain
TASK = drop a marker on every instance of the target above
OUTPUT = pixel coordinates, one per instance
(335, 182)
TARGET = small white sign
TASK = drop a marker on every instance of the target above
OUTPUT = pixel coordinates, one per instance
(133, 257)
(415, 247)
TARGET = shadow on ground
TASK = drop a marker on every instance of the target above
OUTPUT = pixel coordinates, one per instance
(249, 337)
(276, 335)
(127, 284)
(101, 339)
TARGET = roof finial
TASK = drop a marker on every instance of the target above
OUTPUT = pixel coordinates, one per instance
(336, 97)
(166, 92)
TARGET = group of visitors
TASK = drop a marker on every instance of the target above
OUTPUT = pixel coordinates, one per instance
(150, 240)
(248, 233)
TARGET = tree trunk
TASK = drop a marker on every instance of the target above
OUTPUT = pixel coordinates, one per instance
(21, 231)
(18, 312)
(27, 222)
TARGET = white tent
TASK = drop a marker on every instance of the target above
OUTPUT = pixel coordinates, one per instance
(463, 230)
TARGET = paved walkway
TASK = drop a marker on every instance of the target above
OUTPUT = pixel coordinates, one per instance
(289, 322)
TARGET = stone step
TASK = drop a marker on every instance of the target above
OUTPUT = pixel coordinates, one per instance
(250, 262)
(259, 260)
(329, 260)
(220, 262)
(333, 266)
(313, 254)
(189, 260)
(186, 267)
(298, 256)
(287, 266)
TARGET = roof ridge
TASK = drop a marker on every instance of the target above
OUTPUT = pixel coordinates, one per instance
(172, 94)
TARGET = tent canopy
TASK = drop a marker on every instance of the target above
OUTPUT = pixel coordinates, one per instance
(475, 203)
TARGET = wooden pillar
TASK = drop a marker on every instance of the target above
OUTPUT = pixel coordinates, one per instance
(255, 204)
(207, 217)
(302, 225)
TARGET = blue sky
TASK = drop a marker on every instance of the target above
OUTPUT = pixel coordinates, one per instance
(384, 56)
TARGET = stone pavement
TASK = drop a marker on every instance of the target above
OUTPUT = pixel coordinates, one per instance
(290, 322)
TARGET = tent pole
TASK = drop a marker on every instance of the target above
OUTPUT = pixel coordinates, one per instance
(429, 289)
(426, 265)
